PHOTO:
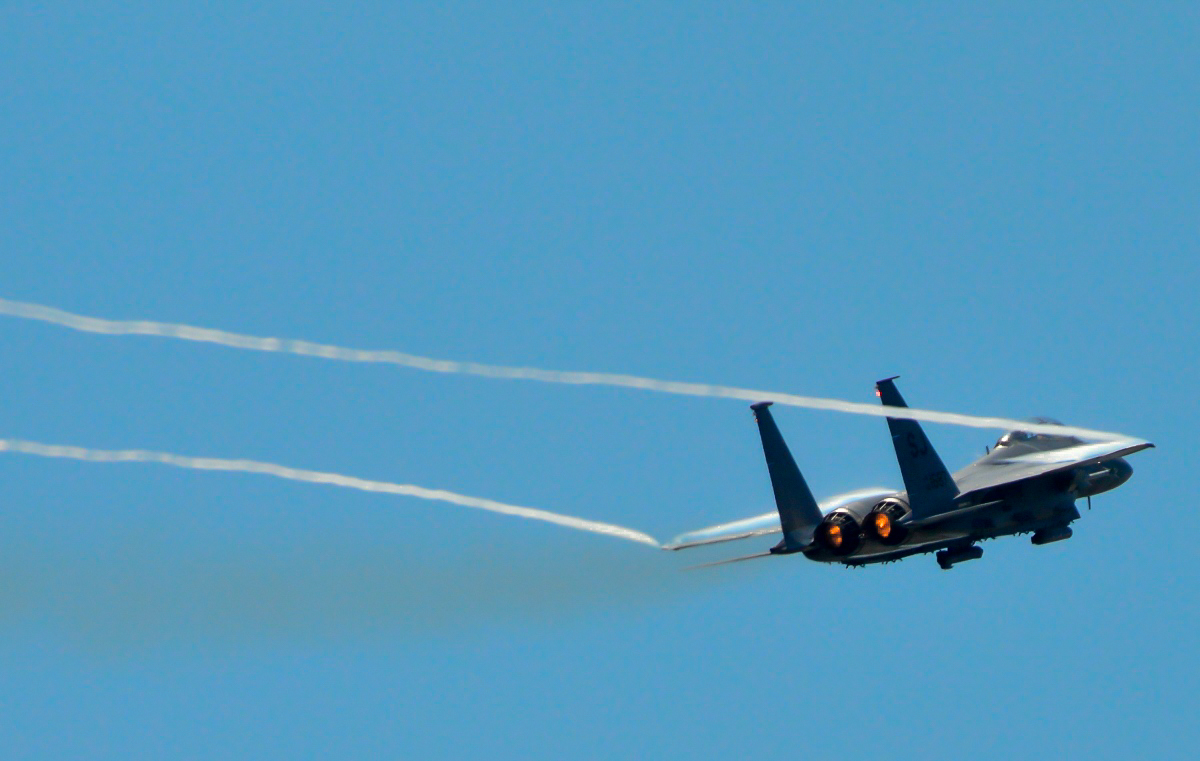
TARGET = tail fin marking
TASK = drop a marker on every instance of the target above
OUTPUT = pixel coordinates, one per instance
(930, 487)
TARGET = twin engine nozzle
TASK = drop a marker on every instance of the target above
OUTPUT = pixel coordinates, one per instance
(841, 534)
(884, 522)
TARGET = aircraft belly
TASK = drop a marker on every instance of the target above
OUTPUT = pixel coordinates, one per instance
(881, 554)
(1003, 520)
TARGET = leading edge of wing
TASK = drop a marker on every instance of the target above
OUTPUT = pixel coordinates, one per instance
(767, 523)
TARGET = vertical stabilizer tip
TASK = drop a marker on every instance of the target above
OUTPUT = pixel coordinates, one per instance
(760, 405)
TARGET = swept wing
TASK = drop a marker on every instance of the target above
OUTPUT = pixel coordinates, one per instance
(1000, 470)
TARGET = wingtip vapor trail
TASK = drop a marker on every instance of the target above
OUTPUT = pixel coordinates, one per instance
(89, 324)
(320, 477)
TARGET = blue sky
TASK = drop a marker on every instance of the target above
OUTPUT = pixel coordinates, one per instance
(1000, 206)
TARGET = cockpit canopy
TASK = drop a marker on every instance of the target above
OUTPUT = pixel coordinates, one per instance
(1012, 437)
(1015, 437)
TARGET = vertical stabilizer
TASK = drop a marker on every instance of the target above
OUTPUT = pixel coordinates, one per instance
(930, 488)
(798, 512)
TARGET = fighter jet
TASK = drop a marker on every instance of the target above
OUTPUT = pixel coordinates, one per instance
(1027, 484)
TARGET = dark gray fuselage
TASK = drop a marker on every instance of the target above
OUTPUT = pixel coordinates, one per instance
(996, 496)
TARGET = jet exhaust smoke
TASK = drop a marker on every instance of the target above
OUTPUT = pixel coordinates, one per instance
(319, 477)
(386, 356)
(138, 591)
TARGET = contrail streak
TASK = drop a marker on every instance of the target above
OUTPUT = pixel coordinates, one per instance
(387, 356)
(318, 477)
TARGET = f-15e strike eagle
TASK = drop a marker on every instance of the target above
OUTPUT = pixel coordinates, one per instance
(1027, 483)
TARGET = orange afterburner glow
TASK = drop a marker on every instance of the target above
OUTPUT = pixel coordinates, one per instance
(839, 534)
(883, 525)
(834, 534)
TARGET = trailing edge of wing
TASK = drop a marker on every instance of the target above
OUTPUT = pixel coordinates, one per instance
(683, 544)
(962, 512)
(729, 560)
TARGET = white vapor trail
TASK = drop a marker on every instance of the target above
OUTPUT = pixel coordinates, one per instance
(306, 348)
(318, 477)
